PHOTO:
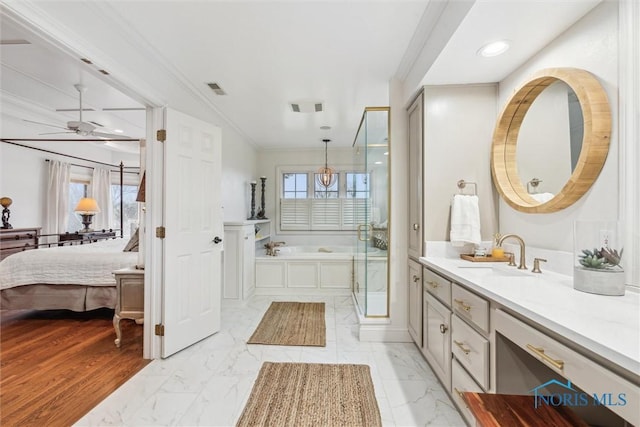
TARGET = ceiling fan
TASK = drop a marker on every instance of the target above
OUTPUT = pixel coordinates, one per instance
(80, 127)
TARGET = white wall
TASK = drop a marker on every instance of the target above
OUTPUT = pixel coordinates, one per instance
(239, 162)
(458, 129)
(590, 44)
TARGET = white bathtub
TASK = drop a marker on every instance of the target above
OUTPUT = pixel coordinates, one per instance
(327, 251)
(327, 269)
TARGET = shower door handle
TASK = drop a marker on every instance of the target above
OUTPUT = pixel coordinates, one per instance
(368, 232)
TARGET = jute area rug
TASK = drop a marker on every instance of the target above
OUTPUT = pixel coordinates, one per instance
(312, 394)
(292, 323)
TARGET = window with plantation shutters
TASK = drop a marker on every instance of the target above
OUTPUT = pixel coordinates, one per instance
(294, 214)
(325, 214)
(304, 206)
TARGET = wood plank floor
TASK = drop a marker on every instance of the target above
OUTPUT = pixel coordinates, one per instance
(55, 366)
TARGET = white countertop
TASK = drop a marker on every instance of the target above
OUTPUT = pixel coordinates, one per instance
(606, 325)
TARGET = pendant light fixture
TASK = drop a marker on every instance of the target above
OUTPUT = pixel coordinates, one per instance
(326, 176)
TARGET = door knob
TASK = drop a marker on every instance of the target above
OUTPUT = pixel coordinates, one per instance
(216, 240)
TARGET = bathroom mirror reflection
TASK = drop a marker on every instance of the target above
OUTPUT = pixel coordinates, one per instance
(550, 141)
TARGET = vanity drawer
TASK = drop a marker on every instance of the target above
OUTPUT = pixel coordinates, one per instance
(461, 381)
(471, 307)
(579, 369)
(471, 349)
(437, 286)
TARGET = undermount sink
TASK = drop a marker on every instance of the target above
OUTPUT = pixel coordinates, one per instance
(494, 270)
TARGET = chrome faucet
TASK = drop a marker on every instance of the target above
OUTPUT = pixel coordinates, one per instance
(522, 265)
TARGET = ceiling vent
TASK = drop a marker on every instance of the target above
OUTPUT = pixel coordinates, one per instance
(215, 87)
(15, 41)
(307, 107)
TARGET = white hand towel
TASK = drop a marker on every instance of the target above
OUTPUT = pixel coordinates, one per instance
(465, 220)
(542, 197)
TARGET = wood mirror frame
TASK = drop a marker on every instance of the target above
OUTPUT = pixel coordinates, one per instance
(595, 143)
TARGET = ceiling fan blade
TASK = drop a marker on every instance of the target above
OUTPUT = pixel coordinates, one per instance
(109, 135)
(45, 124)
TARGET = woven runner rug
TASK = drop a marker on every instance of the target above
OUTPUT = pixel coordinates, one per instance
(312, 394)
(292, 323)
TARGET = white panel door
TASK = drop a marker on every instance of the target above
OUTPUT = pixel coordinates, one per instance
(192, 246)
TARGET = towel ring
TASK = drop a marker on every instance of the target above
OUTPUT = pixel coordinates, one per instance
(462, 184)
(533, 183)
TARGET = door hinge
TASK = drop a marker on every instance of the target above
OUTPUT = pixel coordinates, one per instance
(160, 330)
(161, 135)
(160, 232)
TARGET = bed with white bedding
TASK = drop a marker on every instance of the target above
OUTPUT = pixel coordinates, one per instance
(78, 277)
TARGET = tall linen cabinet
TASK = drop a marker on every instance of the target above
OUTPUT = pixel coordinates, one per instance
(450, 129)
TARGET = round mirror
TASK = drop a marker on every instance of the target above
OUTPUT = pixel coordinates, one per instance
(551, 140)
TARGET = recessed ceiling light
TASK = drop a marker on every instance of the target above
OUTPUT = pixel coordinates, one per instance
(386, 153)
(494, 48)
(377, 163)
(118, 130)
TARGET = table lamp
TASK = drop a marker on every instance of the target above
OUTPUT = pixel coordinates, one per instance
(87, 208)
(6, 213)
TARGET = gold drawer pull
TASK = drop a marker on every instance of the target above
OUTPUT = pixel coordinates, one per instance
(443, 328)
(433, 284)
(459, 393)
(465, 307)
(461, 346)
(559, 364)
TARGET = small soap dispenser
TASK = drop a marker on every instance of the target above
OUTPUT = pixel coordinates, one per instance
(497, 251)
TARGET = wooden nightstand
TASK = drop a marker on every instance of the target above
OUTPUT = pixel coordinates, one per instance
(129, 298)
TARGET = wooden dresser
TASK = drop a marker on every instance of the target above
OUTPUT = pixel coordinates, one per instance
(17, 240)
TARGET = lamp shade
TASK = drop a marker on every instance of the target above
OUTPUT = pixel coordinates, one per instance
(87, 205)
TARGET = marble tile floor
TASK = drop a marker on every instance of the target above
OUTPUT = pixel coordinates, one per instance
(209, 383)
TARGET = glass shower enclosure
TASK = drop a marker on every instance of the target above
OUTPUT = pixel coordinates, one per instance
(368, 188)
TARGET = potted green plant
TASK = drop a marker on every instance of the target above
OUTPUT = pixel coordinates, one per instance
(598, 271)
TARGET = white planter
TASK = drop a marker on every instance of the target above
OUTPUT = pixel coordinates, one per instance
(601, 282)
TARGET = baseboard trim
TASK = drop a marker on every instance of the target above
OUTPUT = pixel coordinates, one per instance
(383, 333)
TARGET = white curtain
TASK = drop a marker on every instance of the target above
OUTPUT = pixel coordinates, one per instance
(57, 203)
(101, 191)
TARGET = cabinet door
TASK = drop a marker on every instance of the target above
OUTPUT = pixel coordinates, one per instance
(415, 178)
(414, 308)
(437, 338)
(248, 262)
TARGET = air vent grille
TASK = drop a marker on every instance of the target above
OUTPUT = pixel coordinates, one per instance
(307, 107)
(215, 87)
(15, 41)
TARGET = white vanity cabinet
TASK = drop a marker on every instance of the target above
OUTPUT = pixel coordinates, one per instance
(436, 327)
(581, 371)
(414, 302)
(240, 241)
(505, 339)
(437, 338)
